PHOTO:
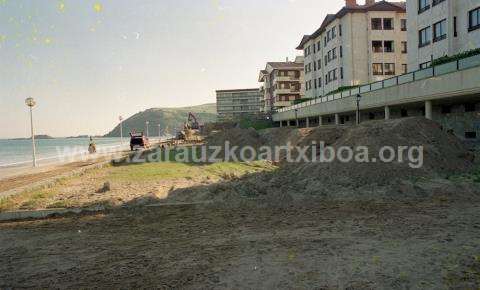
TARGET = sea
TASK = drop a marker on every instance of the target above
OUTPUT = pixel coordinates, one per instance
(15, 153)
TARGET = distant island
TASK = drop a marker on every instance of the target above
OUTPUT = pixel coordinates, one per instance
(77, 137)
(36, 137)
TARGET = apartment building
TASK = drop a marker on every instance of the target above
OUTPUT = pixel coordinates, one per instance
(238, 104)
(282, 84)
(357, 45)
(441, 27)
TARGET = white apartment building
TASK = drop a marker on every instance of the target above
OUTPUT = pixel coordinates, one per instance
(357, 45)
(238, 104)
(441, 27)
(282, 84)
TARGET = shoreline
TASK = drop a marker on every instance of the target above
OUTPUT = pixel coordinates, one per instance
(15, 179)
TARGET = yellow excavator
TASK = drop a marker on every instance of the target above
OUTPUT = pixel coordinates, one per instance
(191, 130)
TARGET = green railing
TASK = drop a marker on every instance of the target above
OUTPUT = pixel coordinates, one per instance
(437, 70)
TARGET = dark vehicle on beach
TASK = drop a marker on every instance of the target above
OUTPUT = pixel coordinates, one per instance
(138, 141)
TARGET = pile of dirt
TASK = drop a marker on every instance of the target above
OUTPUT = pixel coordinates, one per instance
(439, 154)
(420, 149)
(236, 137)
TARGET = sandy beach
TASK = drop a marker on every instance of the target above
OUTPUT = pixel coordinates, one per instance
(256, 224)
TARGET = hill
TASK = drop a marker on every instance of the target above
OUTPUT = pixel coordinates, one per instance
(170, 119)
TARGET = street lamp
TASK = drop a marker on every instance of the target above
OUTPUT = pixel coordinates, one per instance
(30, 102)
(359, 97)
(120, 118)
(159, 131)
(146, 123)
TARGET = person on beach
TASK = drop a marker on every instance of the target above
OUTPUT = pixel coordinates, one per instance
(92, 147)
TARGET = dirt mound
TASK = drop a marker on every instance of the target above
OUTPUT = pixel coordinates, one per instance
(416, 148)
(439, 154)
(236, 137)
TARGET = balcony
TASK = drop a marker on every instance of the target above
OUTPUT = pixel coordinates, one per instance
(288, 91)
(282, 104)
(285, 79)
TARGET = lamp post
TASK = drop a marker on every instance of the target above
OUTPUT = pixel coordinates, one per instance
(120, 118)
(146, 124)
(30, 102)
(359, 97)
(159, 131)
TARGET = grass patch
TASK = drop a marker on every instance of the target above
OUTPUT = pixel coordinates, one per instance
(174, 170)
(27, 200)
(473, 176)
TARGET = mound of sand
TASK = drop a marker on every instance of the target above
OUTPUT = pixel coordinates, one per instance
(443, 155)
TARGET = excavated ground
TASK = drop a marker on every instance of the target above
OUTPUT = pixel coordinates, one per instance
(302, 226)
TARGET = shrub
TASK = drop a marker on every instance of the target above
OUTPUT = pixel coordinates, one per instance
(341, 89)
(462, 55)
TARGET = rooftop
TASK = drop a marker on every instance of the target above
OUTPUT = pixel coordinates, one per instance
(377, 6)
(238, 90)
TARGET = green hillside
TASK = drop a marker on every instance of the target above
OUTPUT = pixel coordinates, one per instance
(171, 119)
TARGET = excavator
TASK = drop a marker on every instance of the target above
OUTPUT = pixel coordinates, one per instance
(191, 130)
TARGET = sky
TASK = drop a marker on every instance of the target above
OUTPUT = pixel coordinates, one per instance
(86, 62)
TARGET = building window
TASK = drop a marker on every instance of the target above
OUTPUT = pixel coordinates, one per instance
(404, 47)
(388, 23)
(389, 69)
(341, 51)
(388, 46)
(334, 53)
(455, 34)
(377, 69)
(319, 82)
(315, 83)
(334, 32)
(423, 5)
(314, 66)
(377, 46)
(440, 30)
(319, 65)
(341, 73)
(405, 68)
(424, 37)
(474, 19)
(340, 30)
(403, 24)
(436, 2)
(376, 23)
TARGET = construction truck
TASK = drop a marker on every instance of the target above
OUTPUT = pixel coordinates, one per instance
(191, 130)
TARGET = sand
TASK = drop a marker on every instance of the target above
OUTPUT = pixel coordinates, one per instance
(303, 226)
